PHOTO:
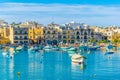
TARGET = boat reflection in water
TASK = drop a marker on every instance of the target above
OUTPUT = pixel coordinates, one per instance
(80, 66)
(77, 58)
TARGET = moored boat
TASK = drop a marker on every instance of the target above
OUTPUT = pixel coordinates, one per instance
(19, 48)
(77, 58)
(109, 49)
(47, 48)
(65, 48)
(92, 48)
(55, 48)
(32, 49)
(72, 49)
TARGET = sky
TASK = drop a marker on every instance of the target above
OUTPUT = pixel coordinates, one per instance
(92, 12)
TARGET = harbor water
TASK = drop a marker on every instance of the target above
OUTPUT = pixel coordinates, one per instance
(57, 65)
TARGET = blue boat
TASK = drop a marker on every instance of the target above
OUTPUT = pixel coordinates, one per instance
(109, 49)
(92, 48)
(109, 52)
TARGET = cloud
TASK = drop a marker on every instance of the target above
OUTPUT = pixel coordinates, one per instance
(60, 13)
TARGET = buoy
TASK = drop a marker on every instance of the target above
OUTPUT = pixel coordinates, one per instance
(94, 74)
(109, 57)
(88, 52)
(18, 73)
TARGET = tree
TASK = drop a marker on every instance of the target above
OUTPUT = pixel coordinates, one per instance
(103, 41)
(116, 38)
(92, 40)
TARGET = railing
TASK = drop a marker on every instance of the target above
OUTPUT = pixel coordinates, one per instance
(20, 33)
(20, 38)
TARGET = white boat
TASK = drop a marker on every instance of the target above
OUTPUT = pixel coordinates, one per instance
(19, 48)
(77, 58)
(72, 49)
(47, 48)
(55, 49)
(65, 48)
(32, 49)
(4, 53)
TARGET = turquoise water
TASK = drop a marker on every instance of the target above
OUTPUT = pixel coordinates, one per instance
(56, 65)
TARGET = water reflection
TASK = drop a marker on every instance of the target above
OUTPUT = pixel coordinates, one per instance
(57, 65)
(11, 69)
(80, 66)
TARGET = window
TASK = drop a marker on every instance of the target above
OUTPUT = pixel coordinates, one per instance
(20, 37)
(25, 41)
(21, 42)
(20, 31)
(25, 37)
(68, 41)
(15, 37)
(78, 37)
(72, 41)
(15, 32)
(15, 41)
(25, 32)
(78, 32)
(64, 36)
(48, 32)
(72, 37)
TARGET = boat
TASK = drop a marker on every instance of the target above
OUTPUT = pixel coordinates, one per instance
(47, 48)
(109, 52)
(65, 48)
(77, 58)
(109, 49)
(55, 48)
(91, 48)
(5, 47)
(72, 49)
(19, 48)
(32, 49)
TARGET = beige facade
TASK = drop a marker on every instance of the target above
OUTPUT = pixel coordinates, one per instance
(4, 32)
(52, 33)
(68, 35)
(18, 35)
(77, 34)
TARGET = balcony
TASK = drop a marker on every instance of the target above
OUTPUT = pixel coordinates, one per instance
(20, 33)
(20, 38)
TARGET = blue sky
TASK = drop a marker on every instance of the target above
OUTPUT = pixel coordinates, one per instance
(104, 2)
(93, 12)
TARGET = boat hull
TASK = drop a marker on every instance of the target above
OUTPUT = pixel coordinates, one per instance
(77, 61)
